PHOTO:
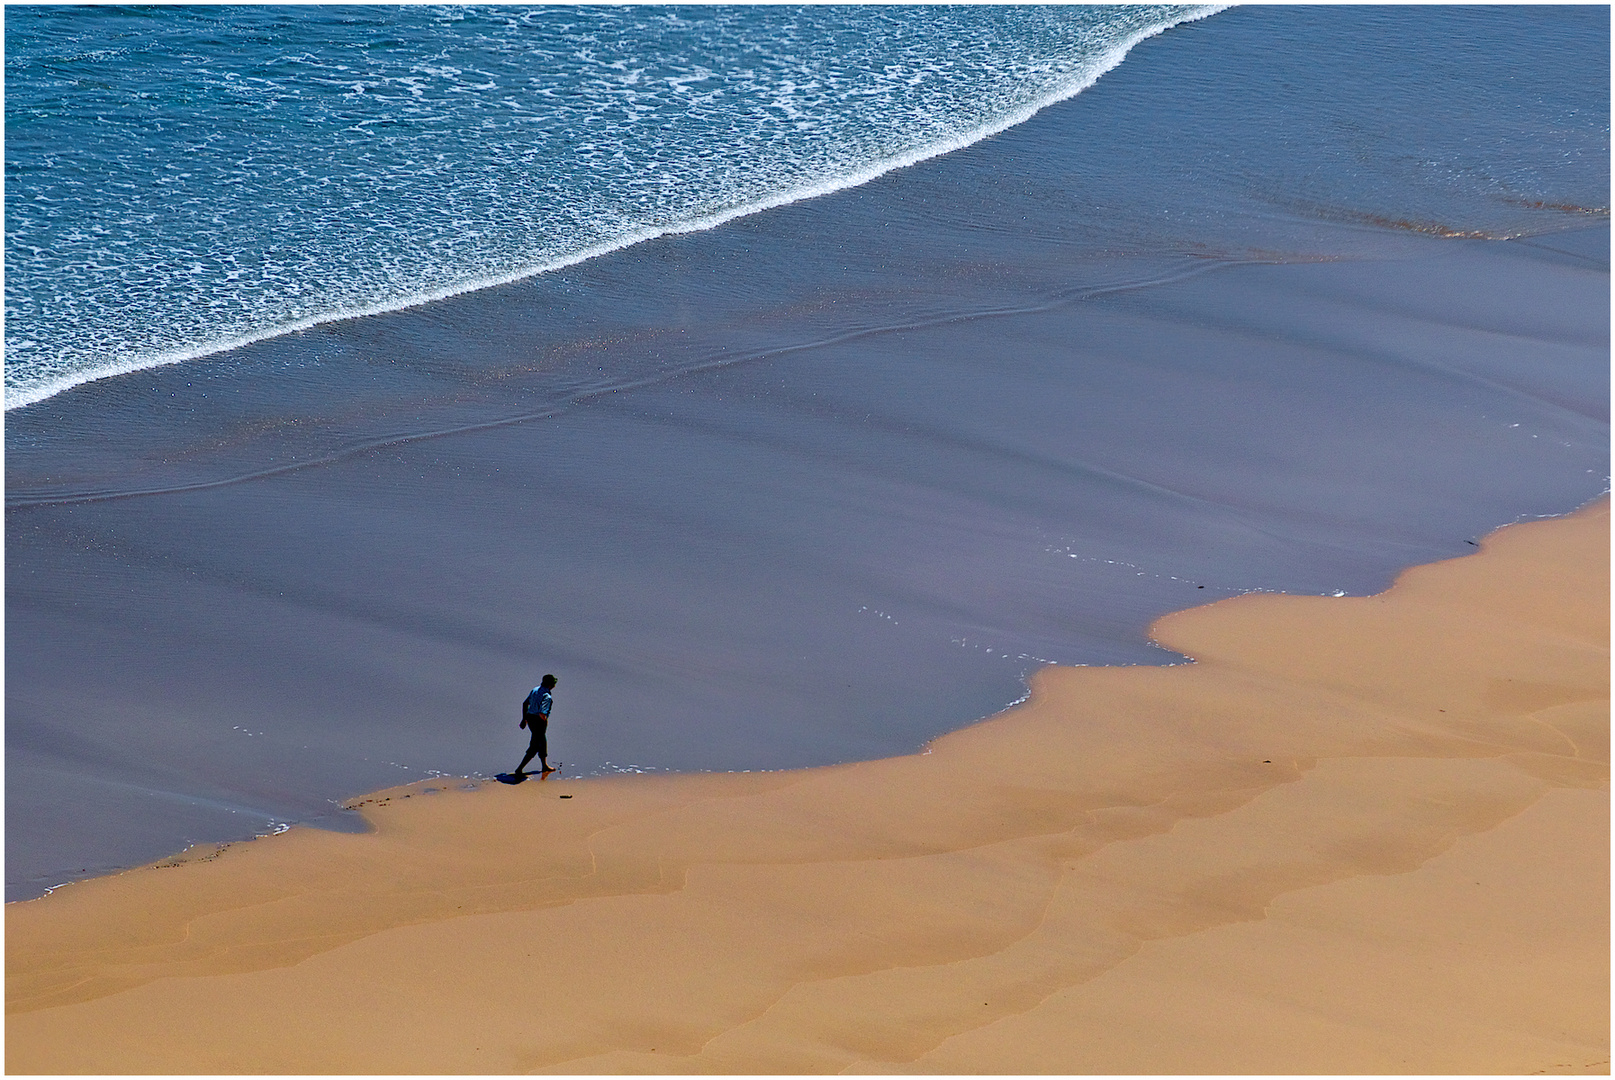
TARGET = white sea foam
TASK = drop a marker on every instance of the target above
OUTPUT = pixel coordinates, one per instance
(21, 392)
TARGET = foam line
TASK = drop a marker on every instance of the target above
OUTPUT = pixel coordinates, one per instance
(16, 501)
(1105, 62)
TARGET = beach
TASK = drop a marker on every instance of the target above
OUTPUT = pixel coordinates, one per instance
(1357, 834)
(1287, 301)
(1071, 539)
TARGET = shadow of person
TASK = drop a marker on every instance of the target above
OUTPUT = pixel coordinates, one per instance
(521, 777)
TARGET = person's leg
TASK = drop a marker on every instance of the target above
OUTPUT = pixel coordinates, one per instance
(541, 740)
(535, 744)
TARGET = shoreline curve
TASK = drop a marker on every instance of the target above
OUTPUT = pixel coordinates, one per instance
(1102, 64)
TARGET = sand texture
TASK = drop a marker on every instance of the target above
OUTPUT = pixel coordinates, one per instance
(1359, 834)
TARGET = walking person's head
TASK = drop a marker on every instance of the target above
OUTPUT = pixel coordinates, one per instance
(548, 682)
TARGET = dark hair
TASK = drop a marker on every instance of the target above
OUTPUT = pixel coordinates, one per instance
(548, 681)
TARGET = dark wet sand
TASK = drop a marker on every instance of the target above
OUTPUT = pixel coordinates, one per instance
(822, 557)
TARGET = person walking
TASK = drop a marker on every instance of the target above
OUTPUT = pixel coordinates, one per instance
(536, 719)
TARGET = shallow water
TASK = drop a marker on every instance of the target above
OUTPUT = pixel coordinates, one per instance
(827, 481)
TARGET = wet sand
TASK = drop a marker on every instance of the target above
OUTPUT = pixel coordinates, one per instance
(1357, 835)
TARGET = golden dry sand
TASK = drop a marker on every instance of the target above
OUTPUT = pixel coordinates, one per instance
(1358, 835)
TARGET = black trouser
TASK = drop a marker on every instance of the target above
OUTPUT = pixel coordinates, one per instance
(538, 725)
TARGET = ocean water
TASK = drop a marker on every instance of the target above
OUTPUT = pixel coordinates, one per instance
(1288, 299)
(183, 179)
